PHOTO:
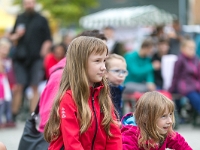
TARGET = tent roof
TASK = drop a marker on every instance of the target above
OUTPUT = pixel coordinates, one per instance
(126, 17)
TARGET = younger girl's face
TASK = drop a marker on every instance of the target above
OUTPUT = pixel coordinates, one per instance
(164, 122)
(96, 67)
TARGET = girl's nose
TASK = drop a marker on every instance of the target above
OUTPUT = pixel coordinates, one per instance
(103, 67)
(169, 120)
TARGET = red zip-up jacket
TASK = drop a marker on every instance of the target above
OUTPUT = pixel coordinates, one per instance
(95, 138)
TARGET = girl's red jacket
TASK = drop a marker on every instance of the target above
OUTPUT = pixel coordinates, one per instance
(95, 138)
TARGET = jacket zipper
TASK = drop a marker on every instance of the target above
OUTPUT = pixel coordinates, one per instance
(95, 116)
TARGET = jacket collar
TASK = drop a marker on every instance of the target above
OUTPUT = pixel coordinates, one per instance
(95, 90)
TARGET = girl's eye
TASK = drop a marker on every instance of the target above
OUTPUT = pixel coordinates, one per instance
(163, 116)
(170, 114)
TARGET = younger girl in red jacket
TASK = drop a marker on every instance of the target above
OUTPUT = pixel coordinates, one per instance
(82, 117)
(151, 125)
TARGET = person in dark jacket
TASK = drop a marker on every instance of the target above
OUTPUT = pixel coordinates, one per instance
(162, 49)
(116, 73)
(32, 34)
(114, 46)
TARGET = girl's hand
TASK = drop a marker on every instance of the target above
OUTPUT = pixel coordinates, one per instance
(120, 124)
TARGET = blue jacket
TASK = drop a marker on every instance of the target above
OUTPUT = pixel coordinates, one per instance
(116, 96)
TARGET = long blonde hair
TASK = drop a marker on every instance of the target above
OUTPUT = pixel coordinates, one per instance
(150, 107)
(74, 77)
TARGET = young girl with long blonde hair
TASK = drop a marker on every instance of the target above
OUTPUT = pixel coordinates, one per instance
(82, 117)
(151, 125)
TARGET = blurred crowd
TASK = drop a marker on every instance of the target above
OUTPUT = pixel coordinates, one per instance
(20, 70)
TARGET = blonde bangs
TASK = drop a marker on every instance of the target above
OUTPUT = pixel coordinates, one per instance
(99, 48)
(168, 106)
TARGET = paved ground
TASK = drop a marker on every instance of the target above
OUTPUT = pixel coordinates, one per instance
(11, 137)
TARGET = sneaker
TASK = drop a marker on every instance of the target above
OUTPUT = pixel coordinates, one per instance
(10, 125)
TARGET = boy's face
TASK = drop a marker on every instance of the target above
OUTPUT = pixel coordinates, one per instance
(116, 72)
(189, 49)
(147, 51)
(163, 47)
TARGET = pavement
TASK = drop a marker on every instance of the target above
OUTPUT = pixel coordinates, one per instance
(11, 136)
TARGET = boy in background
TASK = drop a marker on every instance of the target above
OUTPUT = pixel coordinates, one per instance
(116, 73)
(5, 90)
(162, 49)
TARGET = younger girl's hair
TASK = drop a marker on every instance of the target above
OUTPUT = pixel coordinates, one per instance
(5, 42)
(111, 57)
(75, 78)
(149, 108)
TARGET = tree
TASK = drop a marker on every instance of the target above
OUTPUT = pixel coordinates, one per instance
(67, 12)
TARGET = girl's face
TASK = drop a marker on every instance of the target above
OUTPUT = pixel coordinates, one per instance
(117, 71)
(96, 67)
(164, 122)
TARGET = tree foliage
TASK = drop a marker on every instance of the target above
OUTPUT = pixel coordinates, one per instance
(67, 12)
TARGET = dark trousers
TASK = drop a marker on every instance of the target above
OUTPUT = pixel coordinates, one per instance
(194, 98)
(5, 108)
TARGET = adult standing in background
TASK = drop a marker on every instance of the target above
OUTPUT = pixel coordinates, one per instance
(31, 34)
(113, 45)
(175, 38)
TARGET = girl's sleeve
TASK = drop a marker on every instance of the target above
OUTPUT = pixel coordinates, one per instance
(114, 142)
(69, 123)
(129, 138)
(178, 143)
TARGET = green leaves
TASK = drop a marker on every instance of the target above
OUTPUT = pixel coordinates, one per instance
(67, 12)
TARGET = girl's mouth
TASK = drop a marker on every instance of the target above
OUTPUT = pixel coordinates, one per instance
(166, 127)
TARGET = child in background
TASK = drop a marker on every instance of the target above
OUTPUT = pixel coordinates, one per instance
(58, 53)
(162, 49)
(151, 125)
(5, 91)
(82, 117)
(186, 78)
(116, 73)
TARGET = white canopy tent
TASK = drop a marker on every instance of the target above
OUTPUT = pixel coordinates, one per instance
(127, 17)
